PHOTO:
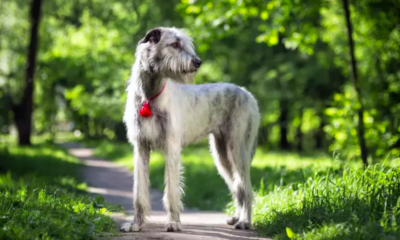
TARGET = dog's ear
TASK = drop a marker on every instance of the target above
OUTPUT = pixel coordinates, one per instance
(152, 36)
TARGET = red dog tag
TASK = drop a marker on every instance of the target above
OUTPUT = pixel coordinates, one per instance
(145, 110)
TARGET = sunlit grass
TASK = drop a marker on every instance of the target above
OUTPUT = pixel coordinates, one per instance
(41, 197)
(349, 204)
(291, 160)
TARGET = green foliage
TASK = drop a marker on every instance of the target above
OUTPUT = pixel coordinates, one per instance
(349, 204)
(41, 197)
(292, 55)
(343, 129)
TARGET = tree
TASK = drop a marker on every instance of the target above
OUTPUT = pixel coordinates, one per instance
(353, 66)
(23, 110)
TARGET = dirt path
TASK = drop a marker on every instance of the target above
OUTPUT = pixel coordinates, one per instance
(115, 183)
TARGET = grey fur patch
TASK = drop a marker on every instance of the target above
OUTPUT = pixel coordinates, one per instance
(228, 93)
(162, 121)
(243, 99)
(139, 215)
(240, 195)
(151, 84)
(210, 117)
(153, 79)
(153, 60)
(138, 101)
(195, 100)
(205, 87)
(220, 145)
(144, 151)
(206, 91)
(248, 130)
(227, 123)
(217, 99)
(138, 122)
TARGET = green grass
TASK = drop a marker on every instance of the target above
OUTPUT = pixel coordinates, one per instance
(350, 204)
(312, 196)
(41, 197)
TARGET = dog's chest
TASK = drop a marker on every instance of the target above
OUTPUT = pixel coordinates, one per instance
(153, 129)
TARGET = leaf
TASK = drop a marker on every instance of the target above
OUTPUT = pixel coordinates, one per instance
(290, 233)
(264, 15)
(103, 210)
(193, 9)
(273, 40)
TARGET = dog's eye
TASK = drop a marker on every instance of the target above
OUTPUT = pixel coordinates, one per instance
(175, 45)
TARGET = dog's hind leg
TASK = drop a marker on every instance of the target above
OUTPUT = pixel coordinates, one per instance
(141, 197)
(173, 189)
(242, 190)
(220, 155)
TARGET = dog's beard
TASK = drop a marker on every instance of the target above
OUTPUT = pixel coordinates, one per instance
(179, 73)
(181, 77)
(187, 77)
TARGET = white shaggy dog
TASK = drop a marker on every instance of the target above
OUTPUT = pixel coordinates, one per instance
(165, 112)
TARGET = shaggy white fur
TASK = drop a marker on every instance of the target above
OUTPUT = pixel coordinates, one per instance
(182, 114)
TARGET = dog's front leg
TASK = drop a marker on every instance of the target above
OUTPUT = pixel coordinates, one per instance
(173, 189)
(141, 197)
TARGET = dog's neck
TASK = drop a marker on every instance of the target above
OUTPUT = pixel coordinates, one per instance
(150, 84)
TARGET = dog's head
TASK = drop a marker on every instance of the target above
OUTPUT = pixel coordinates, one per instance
(169, 52)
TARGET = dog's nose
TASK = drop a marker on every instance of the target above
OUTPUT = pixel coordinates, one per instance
(196, 62)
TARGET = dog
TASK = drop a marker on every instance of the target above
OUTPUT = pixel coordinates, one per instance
(164, 111)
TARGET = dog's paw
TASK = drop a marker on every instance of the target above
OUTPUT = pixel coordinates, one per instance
(242, 225)
(173, 227)
(232, 220)
(130, 227)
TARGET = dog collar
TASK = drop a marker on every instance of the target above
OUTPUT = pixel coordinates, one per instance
(145, 110)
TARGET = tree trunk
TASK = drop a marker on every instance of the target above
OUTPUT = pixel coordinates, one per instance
(263, 137)
(299, 133)
(320, 134)
(283, 124)
(353, 68)
(120, 132)
(86, 127)
(23, 111)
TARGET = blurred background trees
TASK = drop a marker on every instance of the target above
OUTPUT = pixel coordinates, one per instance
(292, 55)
